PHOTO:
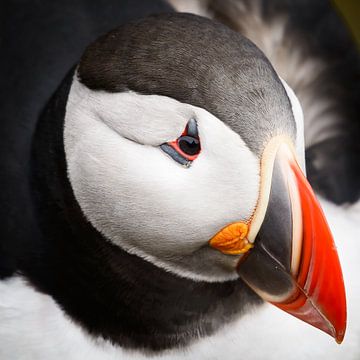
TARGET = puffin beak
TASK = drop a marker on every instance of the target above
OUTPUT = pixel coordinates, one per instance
(290, 258)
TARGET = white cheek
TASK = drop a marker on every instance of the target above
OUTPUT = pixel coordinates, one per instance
(139, 197)
(142, 200)
(146, 119)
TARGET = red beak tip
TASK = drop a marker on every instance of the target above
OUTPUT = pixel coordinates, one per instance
(339, 337)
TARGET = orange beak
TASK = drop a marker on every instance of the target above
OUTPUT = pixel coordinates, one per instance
(294, 263)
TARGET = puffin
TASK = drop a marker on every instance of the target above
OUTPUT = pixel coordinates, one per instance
(168, 200)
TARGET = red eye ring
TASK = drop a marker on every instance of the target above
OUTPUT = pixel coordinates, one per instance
(186, 148)
(189, 140)
(176, 146)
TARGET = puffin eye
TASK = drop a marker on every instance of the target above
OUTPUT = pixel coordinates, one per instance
(186, 148)
(189, 145)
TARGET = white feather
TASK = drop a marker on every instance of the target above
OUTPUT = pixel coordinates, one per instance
(299, 120)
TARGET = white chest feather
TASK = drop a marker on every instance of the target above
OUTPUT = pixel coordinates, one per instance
(32, 326)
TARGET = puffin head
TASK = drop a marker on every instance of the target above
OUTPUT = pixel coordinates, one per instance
(183, 147)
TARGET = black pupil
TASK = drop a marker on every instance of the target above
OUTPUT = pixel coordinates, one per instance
(189, 145)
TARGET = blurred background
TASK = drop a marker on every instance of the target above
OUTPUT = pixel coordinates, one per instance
(350, 10)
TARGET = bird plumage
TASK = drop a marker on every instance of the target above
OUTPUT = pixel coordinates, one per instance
(38, 329)
(44, 321)
(311, 48)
